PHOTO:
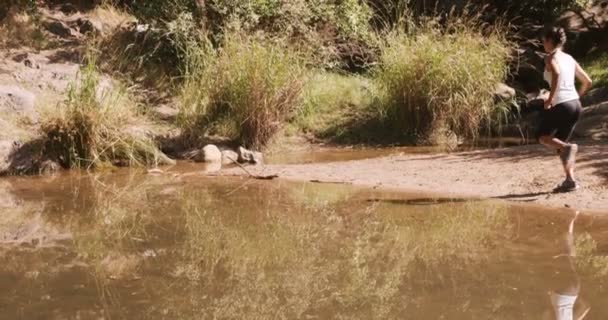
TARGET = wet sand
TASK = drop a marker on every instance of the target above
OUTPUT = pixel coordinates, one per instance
(522, 174)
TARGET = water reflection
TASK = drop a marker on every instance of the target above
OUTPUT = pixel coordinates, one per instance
(565, 294)
(137, 246)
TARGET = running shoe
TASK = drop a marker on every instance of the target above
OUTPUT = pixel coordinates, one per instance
(567, 186)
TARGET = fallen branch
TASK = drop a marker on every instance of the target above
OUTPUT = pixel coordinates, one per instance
(251, 175)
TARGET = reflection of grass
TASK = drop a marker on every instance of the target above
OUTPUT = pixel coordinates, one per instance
(316, 261)
(588, 261)
(332, 258)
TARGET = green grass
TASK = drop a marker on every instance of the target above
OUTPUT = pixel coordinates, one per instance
(597, 67)
(438, 80)
(247, 90)
(335, 106)
(96, 126)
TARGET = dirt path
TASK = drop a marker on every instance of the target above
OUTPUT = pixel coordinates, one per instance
(525, 174)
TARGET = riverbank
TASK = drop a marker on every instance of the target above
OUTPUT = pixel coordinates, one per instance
(520, 174)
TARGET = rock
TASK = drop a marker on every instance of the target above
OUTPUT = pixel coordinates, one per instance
(166, 112)
(594, 123)
(248, 156)
(504, 93)
(68, 9)
(60, 29)
(17, 101)
(86, 26)
(31, 64)
(6, 149)
(595, 96)
(49, 168)
(210, 154)
(229, 157)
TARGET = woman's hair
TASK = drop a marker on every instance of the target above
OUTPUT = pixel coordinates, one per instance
(556, 35)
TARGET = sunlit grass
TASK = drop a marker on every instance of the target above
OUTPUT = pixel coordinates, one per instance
(434, 80)
(336, 106)
(597, 67)
(97, 125)
(246, 91)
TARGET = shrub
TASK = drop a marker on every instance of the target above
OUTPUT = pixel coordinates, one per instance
(441, 80)
(337, 31)
(246, 91)
(154, 56)
(95, 126)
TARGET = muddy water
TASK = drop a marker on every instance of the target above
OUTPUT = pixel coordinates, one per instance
(129, 245)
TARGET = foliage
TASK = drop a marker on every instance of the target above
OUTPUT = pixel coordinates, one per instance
(597, 67)
(94, 126)
(335, 30)
(153, 56)
(250, 88)
(28, 6)
(437, 80)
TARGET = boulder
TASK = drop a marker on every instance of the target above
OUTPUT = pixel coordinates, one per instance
(16, 101)
(86, 26)
(209, 154)
(6, 148)
(504, 93)
(248, 156)
(68, 9)
(60, 29)
(49, 168)
(594, 123)
(229, 157)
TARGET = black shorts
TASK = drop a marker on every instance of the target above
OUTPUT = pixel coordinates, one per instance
(560, 120)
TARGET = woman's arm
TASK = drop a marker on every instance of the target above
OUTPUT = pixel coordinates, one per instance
(585, 79)
(552, 67)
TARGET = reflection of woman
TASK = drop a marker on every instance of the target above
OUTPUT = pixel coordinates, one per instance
(567, 287)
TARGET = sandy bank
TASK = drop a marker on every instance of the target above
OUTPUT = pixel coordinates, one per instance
(524, 174)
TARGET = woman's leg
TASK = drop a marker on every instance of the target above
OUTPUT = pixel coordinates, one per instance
(571, 112)
(561, 147)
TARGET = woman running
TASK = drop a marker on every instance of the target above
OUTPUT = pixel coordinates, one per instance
(563, 107)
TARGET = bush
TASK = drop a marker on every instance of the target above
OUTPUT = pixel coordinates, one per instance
(441, 80)
(246, 91)
(95, 126)
(155, 56)
(337, 31)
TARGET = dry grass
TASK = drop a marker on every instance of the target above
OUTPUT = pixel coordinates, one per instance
(96, 125)
(21, 28)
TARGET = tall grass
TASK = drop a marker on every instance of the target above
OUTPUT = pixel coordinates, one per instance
(95, 126)
(439, 79)
(246, 90)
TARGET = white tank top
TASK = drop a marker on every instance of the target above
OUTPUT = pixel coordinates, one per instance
(566, 89)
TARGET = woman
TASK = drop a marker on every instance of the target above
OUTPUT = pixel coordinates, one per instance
(563, 107)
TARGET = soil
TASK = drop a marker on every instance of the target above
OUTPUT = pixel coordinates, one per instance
(523, 174)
